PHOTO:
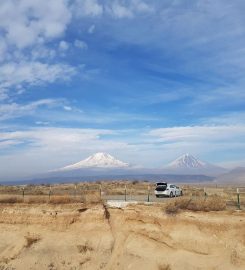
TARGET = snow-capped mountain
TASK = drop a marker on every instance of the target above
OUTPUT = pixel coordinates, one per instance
(98, 160)
(188, 164)
(187, 161)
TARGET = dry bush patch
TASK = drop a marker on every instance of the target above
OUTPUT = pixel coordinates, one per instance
(212, 203)
(11, 199)
(31, 239)
(92, 197)
(84, 248)
(61, 200)
(164, 267)
(36, 199)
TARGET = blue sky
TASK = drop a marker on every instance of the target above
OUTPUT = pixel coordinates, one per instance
(145, 81)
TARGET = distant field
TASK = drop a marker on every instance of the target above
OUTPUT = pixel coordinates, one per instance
(111, 190)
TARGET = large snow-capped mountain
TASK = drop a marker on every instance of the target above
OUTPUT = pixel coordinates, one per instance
(188, 164)
(98, 160)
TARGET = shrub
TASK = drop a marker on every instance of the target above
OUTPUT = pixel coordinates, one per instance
(212, 203)
(171, 208)
(84, 248)
(36, 199)
(10, 199)
(164, 267)
(61, 199)
(31, 239)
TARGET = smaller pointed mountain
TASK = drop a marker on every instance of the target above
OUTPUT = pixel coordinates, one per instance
(187, 161)
(188, 164)
(98, 160)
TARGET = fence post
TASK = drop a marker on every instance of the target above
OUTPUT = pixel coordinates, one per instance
(75, 191)
(125, 193)
(23, 193)
(205, 193)
(100, 191)
(148, 197)
(49, 194)
(238, 199)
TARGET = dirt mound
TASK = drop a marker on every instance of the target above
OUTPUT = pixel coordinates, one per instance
(94, 237)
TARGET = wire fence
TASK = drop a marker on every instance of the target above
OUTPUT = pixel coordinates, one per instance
(94, 192)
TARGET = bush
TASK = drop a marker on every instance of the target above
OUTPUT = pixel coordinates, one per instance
(212, 203)
(84, 248)
(10, 199)
(36, 199)
(164, 267)
(61, 199)
(31, 239)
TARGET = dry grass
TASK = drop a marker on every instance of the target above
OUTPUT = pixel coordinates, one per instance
(212, 203)
(62, 200)
(11, 199)
(31, 239)
(36, 199)
(164, 267)
(93, 197)
(84, 248)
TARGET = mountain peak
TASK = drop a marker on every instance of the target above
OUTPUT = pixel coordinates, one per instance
(97, 160)
(187, 161)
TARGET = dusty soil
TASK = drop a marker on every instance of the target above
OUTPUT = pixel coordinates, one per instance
(79, 236)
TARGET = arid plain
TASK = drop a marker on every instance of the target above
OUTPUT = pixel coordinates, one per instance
(92, 234)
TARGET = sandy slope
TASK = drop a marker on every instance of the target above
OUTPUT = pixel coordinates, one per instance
(137, 237)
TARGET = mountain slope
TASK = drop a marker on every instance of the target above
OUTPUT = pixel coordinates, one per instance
(235, 176)
(187, 161)
(98, 160)
(188, 164)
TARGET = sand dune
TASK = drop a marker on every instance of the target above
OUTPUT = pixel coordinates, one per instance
(137, 237)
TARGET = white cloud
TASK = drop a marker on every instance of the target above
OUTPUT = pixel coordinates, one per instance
(80, 44)
(14, 110)
(87, 8)
(114, 8)
(41, 52)
(91, 29)
(67, 108)
(128, 9)
(3, 49)
(63, 45)
(32, 73)
(142, 7)
(120, 11)
(28, 22)
(199, 134)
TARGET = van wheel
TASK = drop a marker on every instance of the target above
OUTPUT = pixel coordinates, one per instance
(157, 196)
(181, 193)
(171, 195)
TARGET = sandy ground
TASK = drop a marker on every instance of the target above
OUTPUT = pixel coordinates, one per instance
(136, 237)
